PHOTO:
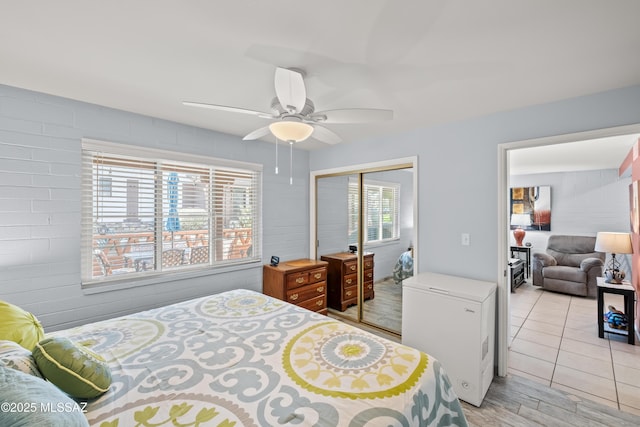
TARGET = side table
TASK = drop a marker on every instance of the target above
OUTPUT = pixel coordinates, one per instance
(516, 267)
(527, 258)
(629, 293)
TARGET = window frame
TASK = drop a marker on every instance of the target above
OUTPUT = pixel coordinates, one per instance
(91, 148)
(380, 186)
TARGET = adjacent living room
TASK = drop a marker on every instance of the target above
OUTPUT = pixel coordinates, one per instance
(554, 336)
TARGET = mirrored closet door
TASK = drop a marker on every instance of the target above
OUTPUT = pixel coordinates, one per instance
(372, 210)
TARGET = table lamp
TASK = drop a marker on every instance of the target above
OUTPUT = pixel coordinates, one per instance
(614, 243)
(520, 220)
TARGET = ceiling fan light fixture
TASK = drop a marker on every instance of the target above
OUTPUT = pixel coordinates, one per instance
(291, 130)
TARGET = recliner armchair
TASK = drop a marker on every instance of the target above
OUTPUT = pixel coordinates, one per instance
(570, 265)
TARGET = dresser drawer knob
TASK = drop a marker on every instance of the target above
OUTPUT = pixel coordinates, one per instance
(293, 297)
(300, 280)
(370, 286)
(320, 289)
(317, 275)
(353, 267)
(370, 275)
(348, 281)
(348, 293)
(319, 303)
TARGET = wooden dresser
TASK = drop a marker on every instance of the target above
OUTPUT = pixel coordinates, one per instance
(342, 279)
(302, 282)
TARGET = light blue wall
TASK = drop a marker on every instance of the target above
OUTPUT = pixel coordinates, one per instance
(40, 204)
(457, 177)
(40, 192)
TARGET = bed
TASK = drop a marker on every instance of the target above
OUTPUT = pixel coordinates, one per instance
(241, 358)
(404, 267)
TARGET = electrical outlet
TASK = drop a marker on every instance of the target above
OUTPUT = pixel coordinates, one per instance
(466, 239)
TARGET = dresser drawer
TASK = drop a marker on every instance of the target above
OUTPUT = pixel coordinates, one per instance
(295, 280)
(350, 292)
(318, 275)
(302, 294)
(350, 267)
(368, 263)
(315, 304)
(350, 280)
(368, 286)
(368, 275)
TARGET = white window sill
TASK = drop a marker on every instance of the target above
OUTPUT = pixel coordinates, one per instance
(99, 286)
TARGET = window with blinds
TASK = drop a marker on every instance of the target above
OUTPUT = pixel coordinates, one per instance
(149, 212)
(381, 211)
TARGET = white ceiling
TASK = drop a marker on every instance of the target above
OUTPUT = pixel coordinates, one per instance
(431, 61)
(594, 154)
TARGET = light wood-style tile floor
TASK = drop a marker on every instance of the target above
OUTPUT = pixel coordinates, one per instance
(555, 343)
(560, 372)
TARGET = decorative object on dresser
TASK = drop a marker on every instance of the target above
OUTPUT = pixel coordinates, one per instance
(302, 282)
(614, 243)
(342, 279)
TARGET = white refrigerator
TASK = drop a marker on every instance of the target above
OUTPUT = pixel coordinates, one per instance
(453, 319)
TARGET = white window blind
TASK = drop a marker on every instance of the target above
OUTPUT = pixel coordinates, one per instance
(381, 211)
(147, 212)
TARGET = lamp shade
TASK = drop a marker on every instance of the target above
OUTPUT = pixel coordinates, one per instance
(521, 219)
(291, 130)
(614, 243)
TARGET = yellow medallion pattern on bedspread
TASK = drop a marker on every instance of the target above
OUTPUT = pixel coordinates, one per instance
(333, 360)
(240, 306)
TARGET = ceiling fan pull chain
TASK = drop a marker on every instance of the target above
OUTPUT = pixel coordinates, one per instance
(276, 156)
(290, 162)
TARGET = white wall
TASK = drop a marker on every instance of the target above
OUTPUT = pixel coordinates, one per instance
(582, 203)
(458, 171)
(40, 204)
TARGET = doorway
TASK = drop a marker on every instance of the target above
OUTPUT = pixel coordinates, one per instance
(504, 152)
(364, 224)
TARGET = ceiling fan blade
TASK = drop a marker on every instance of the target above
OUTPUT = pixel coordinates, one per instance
(325, 135)
(257, 134)
(290, 89)
(353, 115)
(226, 108)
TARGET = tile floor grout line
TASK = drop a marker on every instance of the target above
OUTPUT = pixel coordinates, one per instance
(613, 369)
(555, 364)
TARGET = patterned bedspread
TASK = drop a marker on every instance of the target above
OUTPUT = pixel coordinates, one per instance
(241, 358)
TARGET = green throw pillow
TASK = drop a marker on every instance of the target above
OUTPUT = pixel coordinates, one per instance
(19, 326)
(72, 367)
(31, 401)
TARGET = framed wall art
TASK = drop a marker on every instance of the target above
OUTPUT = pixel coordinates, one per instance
(531, 208)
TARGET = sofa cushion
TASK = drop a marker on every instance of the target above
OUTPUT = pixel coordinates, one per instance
(562, 272)
(73, 368)
(19, 326)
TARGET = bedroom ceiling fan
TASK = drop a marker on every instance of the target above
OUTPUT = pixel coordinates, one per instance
(294, 115)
